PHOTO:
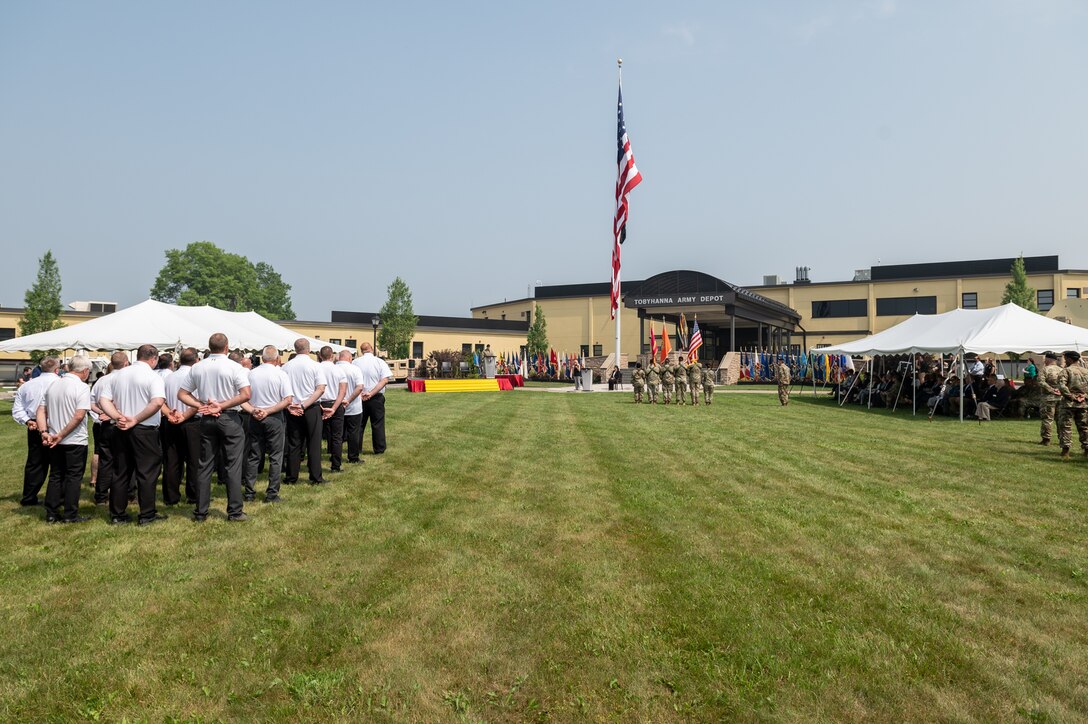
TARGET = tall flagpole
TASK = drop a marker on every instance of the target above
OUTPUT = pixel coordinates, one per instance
(619, 309)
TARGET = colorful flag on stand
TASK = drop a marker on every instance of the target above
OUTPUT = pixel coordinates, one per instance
(653, 343)
(664, 343)
(627, 178)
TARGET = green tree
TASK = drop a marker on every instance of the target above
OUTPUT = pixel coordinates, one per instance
(1017, 291)
(42, 306)
(202, 273)
(398, 320)
(537, 339)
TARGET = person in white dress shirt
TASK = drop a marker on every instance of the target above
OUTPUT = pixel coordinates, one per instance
(270, 396)
(332, 406)
(134, 403)
(376, 375)
(353, 407)
(62, 422)
(24, 410)
(217, 387)
(304, 420)
(181, 435)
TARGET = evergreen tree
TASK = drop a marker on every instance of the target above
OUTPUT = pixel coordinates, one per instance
(1017, 291)
(537, 339)
(42, 306)
(398, 321)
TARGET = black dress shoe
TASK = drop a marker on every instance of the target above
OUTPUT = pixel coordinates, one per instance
(153, 519)
(239, 518)
(320, 481)
(354, 462)
(77, 519)
(248, 498)
(273, 499)
(29, 503)
(121, 520)
(334, 470)
(199, 518)
(52, 519)
(290, 481)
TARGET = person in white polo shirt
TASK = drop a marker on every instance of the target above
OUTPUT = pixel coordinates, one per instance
(332, 407)
(103, 430)
(62, 420)
(270, 395)
(376, 375)
(353, 407)
(24, 410)
(304, 414)
(134, 404)
(217, 386)
(181, 435)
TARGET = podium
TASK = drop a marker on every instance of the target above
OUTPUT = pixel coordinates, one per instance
(489, 367)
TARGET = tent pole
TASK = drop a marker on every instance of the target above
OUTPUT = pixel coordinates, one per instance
(962, 372)
(848, 390)
(872, 367)
(914, 382)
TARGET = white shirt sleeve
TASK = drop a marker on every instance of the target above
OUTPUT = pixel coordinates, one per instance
(18, 407)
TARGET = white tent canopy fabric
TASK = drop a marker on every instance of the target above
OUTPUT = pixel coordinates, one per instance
(998, 330)
(166, 326)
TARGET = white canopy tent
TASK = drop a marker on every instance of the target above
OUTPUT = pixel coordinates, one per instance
(998, 330)
(166, 326)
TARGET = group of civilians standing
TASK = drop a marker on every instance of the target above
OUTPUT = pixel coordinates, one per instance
(223, 414)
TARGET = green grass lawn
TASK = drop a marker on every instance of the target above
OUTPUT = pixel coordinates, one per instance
(520, 556)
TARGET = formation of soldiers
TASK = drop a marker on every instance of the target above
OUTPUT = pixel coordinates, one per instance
(1063, 392)
(665, 383)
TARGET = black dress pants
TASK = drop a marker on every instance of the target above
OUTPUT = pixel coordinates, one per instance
(36, 469)
(353, 436)
(335, 427)
(374, 411)
(104, 434)
(304, 431)
(137, 457)
(66, 466)
(221, 433)
(180, 458)
(266, 437)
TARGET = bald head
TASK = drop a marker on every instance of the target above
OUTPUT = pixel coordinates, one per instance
(366, 347)
(302, 346)
(344, 356)
(270, 355)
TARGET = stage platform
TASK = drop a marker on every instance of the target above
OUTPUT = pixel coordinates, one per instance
(496, 385)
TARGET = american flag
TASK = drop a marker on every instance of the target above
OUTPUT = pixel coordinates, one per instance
(696, 341)
(628, 178)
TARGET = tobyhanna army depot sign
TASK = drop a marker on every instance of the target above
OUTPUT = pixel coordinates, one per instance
(675, 300)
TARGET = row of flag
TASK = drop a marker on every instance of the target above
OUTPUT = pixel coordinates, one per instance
(758, 366)
(689, 346)
(549, 364)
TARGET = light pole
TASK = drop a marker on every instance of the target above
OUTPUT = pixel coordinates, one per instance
(374, 321)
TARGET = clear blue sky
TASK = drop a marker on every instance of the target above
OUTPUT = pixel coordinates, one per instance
(470, 147)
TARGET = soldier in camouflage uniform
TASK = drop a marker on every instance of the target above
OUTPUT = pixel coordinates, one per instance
(681, 374)
(1049, 396)
(653, 382)
(668, 381)
(782, 377)
(638, 381)
(695, 380)
(1073, 409)
(708, 386)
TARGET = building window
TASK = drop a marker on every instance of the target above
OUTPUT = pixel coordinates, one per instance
(334, 340)
(840, 308)
(1044, 298)
(479, 349)
(969, 300)
(583, 350)
(7, 333)
(898, 306)
(597, 351)
(504, 315)
(417, 349)
(353, 343)
(466, 349)
(1072, 293)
